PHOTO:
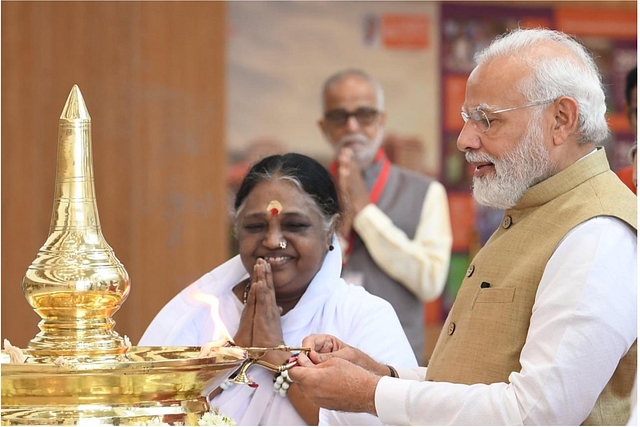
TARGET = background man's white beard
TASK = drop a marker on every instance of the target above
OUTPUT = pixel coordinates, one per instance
(366, 154)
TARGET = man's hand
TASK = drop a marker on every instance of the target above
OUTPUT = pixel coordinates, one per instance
(338, 385)
(327, 347)
(352, 187)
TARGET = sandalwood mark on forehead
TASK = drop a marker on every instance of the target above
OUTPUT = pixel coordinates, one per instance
(274, 207)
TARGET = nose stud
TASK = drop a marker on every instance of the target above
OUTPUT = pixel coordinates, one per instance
(283, 245)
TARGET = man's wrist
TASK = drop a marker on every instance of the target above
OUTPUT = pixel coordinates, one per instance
(380, 369)
(358, 205)
(371, 409)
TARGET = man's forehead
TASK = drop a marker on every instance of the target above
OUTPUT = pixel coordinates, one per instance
(493, 85)
(351, 86)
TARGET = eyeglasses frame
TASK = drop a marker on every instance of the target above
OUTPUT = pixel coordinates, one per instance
(466, 116)
(350, 114)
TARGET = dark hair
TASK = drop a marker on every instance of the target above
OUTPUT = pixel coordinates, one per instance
(632, 82)
(304, 172)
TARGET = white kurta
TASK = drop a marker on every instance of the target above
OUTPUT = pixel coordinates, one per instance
(329, 306)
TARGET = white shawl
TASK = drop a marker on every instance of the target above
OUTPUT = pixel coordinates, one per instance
(329, 305)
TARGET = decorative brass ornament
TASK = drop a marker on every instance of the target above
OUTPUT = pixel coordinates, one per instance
(76, 283)
(78, 370)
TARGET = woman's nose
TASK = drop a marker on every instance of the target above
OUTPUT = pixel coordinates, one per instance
(274, 238)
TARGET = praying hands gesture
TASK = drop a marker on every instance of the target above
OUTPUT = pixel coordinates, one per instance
(337, 376)
(260, 327)
(352, 188)
(260, 320)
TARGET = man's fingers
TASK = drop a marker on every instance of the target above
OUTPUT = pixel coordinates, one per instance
(303, 360)
(318, 342)
(319, 357)
(297, 373)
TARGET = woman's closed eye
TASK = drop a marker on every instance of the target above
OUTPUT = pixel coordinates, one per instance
(254, 227)
(295, 226)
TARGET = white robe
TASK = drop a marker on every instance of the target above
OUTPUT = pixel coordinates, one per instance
(328, 306)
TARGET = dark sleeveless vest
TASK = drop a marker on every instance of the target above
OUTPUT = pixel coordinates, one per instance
(401, 201)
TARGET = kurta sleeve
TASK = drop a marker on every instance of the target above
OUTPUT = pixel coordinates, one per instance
(421, 264)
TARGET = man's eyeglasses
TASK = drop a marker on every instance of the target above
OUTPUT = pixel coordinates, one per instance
(483, 123)
(339, 117)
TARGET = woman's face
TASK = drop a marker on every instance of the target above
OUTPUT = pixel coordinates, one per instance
(261, 229)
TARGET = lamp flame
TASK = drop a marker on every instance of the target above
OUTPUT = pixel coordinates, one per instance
(221, 334)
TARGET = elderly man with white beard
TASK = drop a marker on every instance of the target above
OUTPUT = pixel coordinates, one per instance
(543, 330)
(396, 235)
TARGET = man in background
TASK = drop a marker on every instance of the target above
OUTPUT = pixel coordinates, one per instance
(396, 234)
(629, 174)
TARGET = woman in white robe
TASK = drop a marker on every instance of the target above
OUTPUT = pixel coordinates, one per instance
(286, 213)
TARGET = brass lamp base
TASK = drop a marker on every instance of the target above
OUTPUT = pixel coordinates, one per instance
(148, 382)
(170, 413)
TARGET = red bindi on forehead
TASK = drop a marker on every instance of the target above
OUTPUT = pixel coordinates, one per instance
(274, 207)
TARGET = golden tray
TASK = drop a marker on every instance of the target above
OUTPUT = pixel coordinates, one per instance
(148, 382)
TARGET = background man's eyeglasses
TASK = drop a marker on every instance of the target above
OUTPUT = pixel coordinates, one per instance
(482, 122)
(338, 117)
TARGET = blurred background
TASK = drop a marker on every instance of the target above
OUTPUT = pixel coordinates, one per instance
(184, 96)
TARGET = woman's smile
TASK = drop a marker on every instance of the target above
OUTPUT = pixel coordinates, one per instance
(277, 262)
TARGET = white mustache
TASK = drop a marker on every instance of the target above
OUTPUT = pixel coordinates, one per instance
(473, 156)
(354, 138)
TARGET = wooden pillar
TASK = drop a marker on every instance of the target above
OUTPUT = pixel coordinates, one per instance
(153, 77)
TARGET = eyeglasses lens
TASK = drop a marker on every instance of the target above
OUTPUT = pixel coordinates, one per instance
(339, 117)
(479, 117)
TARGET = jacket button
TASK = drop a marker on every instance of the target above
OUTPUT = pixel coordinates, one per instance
(470, 270)
(452, 327)
(506, 222)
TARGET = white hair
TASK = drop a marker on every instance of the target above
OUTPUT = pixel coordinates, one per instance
(339, 76)
(570, 71)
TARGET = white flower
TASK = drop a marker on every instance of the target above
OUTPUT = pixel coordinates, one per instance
(215, 418)
(15, 354)
(60, 361)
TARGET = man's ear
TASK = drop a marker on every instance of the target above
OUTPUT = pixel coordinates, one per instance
(565, 120)
(382, 120)
(323, 126)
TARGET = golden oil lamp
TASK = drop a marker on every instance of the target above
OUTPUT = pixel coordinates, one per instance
(78, 370)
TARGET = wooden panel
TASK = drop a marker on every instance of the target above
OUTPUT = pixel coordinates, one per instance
(152, 76)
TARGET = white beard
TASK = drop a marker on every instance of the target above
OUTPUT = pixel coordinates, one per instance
(515, 172)
(365, 149)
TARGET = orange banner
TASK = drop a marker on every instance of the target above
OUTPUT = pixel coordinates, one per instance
(462, 212)
(622, 24)
(454, 89)
(403, 31)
